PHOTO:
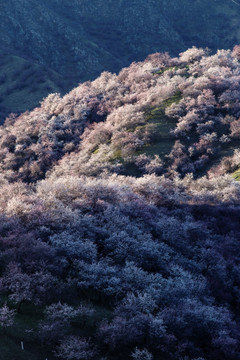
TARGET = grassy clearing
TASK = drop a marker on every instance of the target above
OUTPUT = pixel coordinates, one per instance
(175, 68)
(160, 72)
(25, 329)
(236, 175)
(163, 140)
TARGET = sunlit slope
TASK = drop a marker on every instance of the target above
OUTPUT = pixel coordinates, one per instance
(172, 116)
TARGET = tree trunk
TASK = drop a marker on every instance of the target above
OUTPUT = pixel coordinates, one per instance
(19, 306)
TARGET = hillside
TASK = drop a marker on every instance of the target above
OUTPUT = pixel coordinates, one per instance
(119, 216)
(150, 111)
(80, 39)
(65, 43)
(24, 84)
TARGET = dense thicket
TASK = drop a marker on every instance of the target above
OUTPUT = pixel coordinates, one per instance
(118, 220)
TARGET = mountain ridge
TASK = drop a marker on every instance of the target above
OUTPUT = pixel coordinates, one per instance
(82, 36)
(76, 41)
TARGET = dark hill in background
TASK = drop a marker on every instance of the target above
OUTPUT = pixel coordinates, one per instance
(23, 84)
(80, 39)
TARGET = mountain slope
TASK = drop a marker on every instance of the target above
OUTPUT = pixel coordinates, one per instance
(24, 84)
(84, 38)
(113, 245)
(181, 114)
(75, 41)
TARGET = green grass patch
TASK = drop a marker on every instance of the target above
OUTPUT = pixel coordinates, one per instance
(117, 155)
(95, 151)
(175, 99)
(160, 72)
(236, 175)
(185, 74)
(162, 141)
(158, 113)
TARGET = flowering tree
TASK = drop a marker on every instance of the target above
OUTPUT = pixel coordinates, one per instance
(141, 355)
(74, 348)
(6, 316)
